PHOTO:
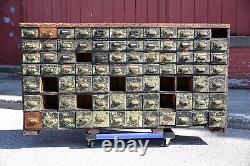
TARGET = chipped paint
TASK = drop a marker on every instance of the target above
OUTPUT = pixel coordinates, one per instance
(6, 20)
(12, 9)
(11, 34)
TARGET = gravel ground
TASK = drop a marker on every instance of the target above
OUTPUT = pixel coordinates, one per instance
(190, 147)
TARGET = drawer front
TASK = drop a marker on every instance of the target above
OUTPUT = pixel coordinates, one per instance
(67, 84)
(100, 45)
(135, 32)
(49, 70)
(65, 33)
(100, 69)
(29, 33)
(134, 70)
(218, 84)
(151, 45)
(30, 45)
(202, 45)
(117, 46)
(186, 33)
(151, 101)
(84, 83)
(134, 45)
(183, 118)
(67, 69)
(49, 45)
(168, 69)
(218, 69)
(117, 70)
(32, 120)
(50, 32)
(134, 101)
(83, 33)
(118, 33)
(100, 119)
(100, 33)
(167, 58)
(83, 45)
(185, 57)
(67, 120)
(183, 101)
(84, 119)
(117, 57)
(167, 117)
(66, 57)
(219, 58)
(49, 57)
(102, 57)
(31, 69)
(168, 45)
(185, 45)
(32, 103)
(31, 58)
(134, 57)
(117, 101)
(202, 33)
(150, 118)
(200, 101)
(184, 69)
(201, 57)
(50, 120)
(200, 118)
(84, 69)
(133, 84)
(117, 119)
(217, 120)
(219, 45)
(67, 102)
(134, 119)
(100, 84)
(101, 102)
(152, 32)
(200, 84)
(217, 101)
(201, 69)
(168, 33)
(66, 45)
(151, 69)
(151, 57)
(31, 84)
(151, 83)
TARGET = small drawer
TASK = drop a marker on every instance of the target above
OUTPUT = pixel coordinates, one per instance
(67, 120)
(167, 58)
(184, 69)
(100, 119)
(67, 69)
(100, 69)
(31, 69)
(134, 45)
(134, 57)
(135, 32)
(151, 83)
(32, 102)
(134, 70)
(217, 120)
(201, 69)
(202, 33)
(83, 33)
(31, 45)
(49, 45)
(151, 45)
(134, 119)
(49, 57)
(185, 57)
(183, 101)
(202, 45)
(66, 57)
(186, 33)
(84, 69)
(201, 84)
(201, 57)
(101, 33)
(151, 57)
(168, 46)
(118, 33)
(217, 101)
(32, 121)
(101, 102)
(183, 118)
(200, 101)
(31, 58)
(200, 118)
(117, 45)
(218, 69)
(100, 57)
(167, 117)
(117, 57)
(219, 45)
(133, 84)
(31, 84)
(167, 69)
(117, 118)
(217, 84)
(151, 101)
(66, 33)
(48, 32)
(150, 119)
(83, 45)
(117, 70)
(100, 45)
(84, 119)
(151, 69)
(50, 120)
(66, 45)
(117, 101)
(83, 83)
(67, 102)
(134, 101)
(168, 33)
(30, 33)
(185, 45)
(49, 69)
(152, 32)
(219, 58)
(101, 84)
(67, 84)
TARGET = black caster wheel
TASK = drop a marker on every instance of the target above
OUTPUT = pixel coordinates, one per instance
(91, 143)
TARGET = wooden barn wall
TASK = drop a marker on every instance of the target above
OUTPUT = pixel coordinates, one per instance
(233, 12)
